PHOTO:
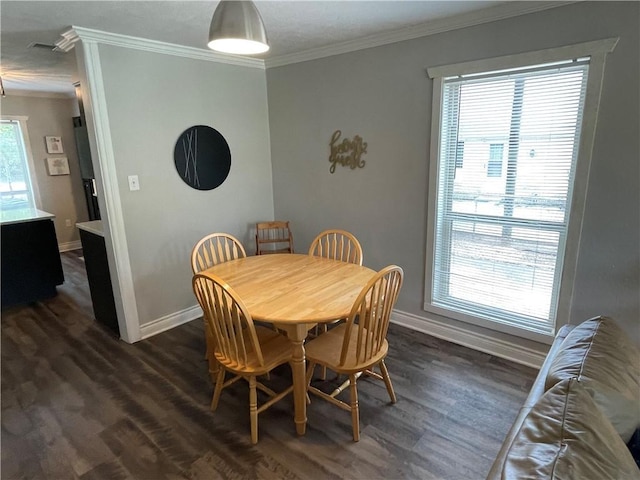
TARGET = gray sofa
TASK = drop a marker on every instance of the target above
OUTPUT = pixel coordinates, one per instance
(581, 412)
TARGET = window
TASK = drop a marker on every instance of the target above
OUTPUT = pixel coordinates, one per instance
(459, 154)
(494, 167)
(499, 228)
(16, 187)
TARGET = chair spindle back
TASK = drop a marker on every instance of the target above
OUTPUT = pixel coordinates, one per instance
(215, 248)
(273, 237)
(372, 309)
(236, 341)
(337, 245)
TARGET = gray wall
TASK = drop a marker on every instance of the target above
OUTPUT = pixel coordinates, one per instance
(383, 95)
(152, 99)
(61, 195)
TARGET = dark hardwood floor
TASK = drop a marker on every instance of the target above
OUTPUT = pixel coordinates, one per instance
(77, 403)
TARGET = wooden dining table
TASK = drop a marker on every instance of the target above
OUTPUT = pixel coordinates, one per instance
(295, 292)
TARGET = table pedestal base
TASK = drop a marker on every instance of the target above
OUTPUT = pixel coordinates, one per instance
(297, 334)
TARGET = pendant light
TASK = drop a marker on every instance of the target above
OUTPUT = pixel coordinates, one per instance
(236, 27)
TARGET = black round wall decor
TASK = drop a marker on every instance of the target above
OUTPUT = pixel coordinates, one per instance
(202, 157)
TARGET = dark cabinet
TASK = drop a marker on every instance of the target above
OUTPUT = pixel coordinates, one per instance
(31, 266)
(99, 277)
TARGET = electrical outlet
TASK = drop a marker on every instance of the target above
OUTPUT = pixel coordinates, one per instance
(133, 183)
(67, 222)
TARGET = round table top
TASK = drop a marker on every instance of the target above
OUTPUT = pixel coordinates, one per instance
(294, 288)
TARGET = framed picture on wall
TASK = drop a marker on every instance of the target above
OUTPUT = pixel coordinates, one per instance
(58, 166)
(54, 144)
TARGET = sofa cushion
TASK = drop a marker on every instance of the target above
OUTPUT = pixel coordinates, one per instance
(565, 436)
(599, 354)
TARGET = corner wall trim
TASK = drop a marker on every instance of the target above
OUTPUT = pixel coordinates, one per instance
(170, 321)
(476, 341)
(90, 71)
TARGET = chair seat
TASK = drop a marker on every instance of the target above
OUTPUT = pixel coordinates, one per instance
(326, 350)
(276, 350)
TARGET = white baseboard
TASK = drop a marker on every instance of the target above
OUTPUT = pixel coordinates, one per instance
(169, 321)
(483, 343)
(68, 246)
(499, 348)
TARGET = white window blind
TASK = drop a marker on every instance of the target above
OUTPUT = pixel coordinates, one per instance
(16, 188)
(503, 200)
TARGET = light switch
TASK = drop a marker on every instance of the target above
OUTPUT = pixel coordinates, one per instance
(133, 183)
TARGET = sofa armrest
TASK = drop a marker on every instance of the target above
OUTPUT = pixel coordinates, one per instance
(537, 390)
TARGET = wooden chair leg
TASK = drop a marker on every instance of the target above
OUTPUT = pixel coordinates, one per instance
(355, 409)
(310, 369)
(214, 368)
(206, 339)
(387, 381)
(343, 385)
(309, 376)
(218, 388)
(253, 409)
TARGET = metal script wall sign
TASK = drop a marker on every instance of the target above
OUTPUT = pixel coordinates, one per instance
(347, 153)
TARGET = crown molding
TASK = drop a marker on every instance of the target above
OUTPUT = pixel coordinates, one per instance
(40, 94)
(75, 34)
(68, 40)
(498, 12)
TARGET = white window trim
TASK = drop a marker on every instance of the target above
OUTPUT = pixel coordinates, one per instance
(33, 177)
(597, 51)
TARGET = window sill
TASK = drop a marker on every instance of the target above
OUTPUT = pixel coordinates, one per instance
(498, 326)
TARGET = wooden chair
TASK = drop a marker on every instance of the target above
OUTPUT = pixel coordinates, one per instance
(209, 251)
(215, 248)
(337, 245)
(242, 348)
(273, 237)
(358, 345)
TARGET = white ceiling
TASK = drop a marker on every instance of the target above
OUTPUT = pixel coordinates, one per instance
(292, 27)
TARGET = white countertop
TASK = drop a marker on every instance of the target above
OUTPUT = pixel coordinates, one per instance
(22, 215)
(94, 227)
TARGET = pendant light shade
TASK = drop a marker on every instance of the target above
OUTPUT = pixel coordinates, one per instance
(236, 27)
